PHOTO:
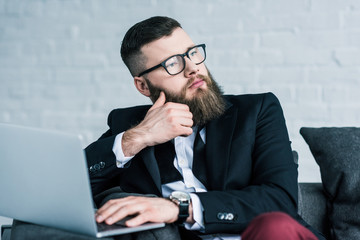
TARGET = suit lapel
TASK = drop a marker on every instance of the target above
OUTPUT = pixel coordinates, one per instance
(218, 142)
(219, 133)
(148, 156)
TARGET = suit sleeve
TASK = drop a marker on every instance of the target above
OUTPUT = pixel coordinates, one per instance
(101, 162)
(272, 185)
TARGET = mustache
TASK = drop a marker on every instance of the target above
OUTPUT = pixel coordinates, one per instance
(206, 79)
(155, 91)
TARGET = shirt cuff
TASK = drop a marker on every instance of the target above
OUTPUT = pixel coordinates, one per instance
(197, 214)
(121, 160)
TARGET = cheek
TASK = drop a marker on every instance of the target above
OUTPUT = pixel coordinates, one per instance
(203, 70)
(175, 85)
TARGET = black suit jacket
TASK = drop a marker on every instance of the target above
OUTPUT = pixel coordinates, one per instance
(249, 166)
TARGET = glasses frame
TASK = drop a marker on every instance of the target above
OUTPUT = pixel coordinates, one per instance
(162, 64)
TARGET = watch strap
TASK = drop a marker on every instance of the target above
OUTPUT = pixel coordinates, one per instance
(183, 213)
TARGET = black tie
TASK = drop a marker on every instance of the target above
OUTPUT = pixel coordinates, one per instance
(199, 159)
(165, 154)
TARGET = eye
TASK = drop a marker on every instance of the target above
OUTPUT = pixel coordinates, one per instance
(172, 62)
(193, 52)
(171, 65)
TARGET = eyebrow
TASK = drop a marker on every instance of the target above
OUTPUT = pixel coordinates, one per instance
(190, 47)
(180, 53)
(186, 50)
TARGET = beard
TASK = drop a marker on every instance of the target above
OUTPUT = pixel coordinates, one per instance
(205, 105)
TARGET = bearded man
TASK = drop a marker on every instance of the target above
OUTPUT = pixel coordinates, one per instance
(207, 164)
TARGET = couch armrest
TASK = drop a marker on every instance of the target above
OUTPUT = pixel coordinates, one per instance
(312, 206)
(5, 232)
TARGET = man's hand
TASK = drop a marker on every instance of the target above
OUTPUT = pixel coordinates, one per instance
(163, 122)
(146, 209)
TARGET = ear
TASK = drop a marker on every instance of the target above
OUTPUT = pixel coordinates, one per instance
(142, 86)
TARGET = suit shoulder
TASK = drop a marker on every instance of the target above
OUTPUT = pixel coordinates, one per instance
(251, 99)
(127, 117)
(130, 110)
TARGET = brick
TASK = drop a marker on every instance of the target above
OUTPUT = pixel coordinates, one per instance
(334, 74)
(113, 60)
(231, 8)
(348, 57)
(232, 76)
(101, 30)
(106, 45)
(343, 115)
(38, 47)
(25, 28)
(334, 5)
(234, 41)
(309, 94)
(336, 94)
(79, 46)
(282, 6)
(283, 92)
(17, 61)
(305, 56)
(8, 49)
(267, 57)
(280, 39)
(60, 66)
(291, 22)
(2, 11)
(89, 60)
(308, 39)
(280, 75)
(353, 38)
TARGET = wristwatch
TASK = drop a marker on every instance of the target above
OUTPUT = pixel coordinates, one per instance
(182, 199)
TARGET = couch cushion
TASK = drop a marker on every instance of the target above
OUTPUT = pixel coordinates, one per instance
(337, 152)
(312, 206)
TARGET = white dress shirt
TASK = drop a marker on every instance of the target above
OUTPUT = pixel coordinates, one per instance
(183, 162)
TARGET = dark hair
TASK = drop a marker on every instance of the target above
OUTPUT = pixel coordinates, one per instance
(143, 33)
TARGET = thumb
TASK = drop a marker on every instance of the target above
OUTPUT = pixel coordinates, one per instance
(160, 101)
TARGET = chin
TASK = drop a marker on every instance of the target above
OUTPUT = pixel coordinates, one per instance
(196, 93)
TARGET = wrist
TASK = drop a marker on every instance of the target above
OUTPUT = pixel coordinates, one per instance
(133, 142)
(190, 219)
(182, 200)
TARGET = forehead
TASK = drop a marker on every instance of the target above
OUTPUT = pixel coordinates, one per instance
(157, 51)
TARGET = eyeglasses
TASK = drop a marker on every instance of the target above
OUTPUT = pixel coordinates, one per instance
(176, 64)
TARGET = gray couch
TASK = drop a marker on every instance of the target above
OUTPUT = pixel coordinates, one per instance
(312, 207)
(335, 209)
(333, 206)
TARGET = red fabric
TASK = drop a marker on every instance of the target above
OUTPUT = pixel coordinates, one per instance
(277, 226)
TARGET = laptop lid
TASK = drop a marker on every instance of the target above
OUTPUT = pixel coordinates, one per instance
(44, 180)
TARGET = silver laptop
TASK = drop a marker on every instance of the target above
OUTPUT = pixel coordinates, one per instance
(44, 180)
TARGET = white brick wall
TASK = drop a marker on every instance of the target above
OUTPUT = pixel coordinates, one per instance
(60, 66)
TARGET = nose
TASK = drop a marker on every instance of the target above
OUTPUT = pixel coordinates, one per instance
(190, 68)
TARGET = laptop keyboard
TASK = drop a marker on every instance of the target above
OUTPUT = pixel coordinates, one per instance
(105, 227)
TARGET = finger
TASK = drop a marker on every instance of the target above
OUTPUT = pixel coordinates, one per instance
(160, 101)
(107, 205)
(186, 131)
(109, 208)
(127, 210)
(106, 212)
(118, 215)
(138, 220)
(184, 121)
(179, 106)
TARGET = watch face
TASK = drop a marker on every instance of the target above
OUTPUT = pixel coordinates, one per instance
(181, 196)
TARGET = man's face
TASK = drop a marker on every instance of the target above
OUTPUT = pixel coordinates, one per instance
(194, 86)
(157, 51)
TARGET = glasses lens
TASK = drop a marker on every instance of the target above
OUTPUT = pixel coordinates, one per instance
(174, 65)
(197, 54)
